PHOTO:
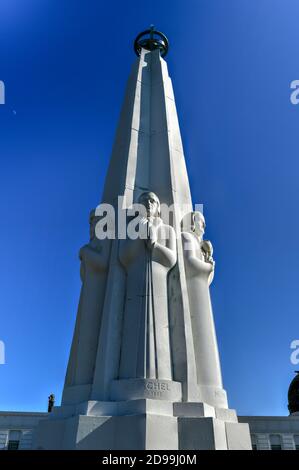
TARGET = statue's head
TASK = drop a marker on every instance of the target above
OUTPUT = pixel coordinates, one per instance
(194, 222)
(151, 203)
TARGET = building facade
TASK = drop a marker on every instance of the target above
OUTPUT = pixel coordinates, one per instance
(273, 432)
(267, 432)
(16, 429)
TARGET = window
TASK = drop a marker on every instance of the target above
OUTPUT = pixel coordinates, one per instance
(13, 445)
(14, 440)
(3, 439)
(275, 442)
(253, 442)
(296, 439)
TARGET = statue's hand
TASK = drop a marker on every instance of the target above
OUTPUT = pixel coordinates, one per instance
(150, 243)
(143, 221)
(207, 250)
(143, 228)
(212, 262)
(152, 237)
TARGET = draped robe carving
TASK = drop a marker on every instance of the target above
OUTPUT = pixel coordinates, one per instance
(199, 267)
(145, 351)
(93, 271)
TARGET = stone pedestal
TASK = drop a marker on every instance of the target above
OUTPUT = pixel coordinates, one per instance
(142, 424)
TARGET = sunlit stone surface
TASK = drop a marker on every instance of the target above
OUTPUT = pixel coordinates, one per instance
(144, 369)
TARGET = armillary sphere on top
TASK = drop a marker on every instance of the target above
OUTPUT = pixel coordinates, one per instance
(151, 40)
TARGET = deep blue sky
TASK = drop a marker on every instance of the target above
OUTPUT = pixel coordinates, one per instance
(65, 66)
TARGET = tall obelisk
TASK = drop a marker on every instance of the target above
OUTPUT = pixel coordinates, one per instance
(144, 355)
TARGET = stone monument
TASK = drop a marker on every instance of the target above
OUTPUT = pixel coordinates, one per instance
(144, 369)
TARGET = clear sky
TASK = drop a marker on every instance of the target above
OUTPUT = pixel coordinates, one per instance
(65, 65)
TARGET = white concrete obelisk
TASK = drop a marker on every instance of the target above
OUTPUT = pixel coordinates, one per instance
(144, 369)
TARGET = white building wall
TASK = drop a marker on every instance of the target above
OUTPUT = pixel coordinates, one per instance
(279, 429)
(18, 426)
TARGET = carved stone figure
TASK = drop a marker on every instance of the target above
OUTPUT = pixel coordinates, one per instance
(93, 271)
(199, 268)
(145, 351)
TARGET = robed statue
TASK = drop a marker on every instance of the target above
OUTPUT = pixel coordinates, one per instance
(147, 259)
(94, 257)
(199, 268)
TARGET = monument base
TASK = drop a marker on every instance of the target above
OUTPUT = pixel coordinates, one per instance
(143, 424)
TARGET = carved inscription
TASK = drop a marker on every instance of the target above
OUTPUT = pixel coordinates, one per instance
(156, 389)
